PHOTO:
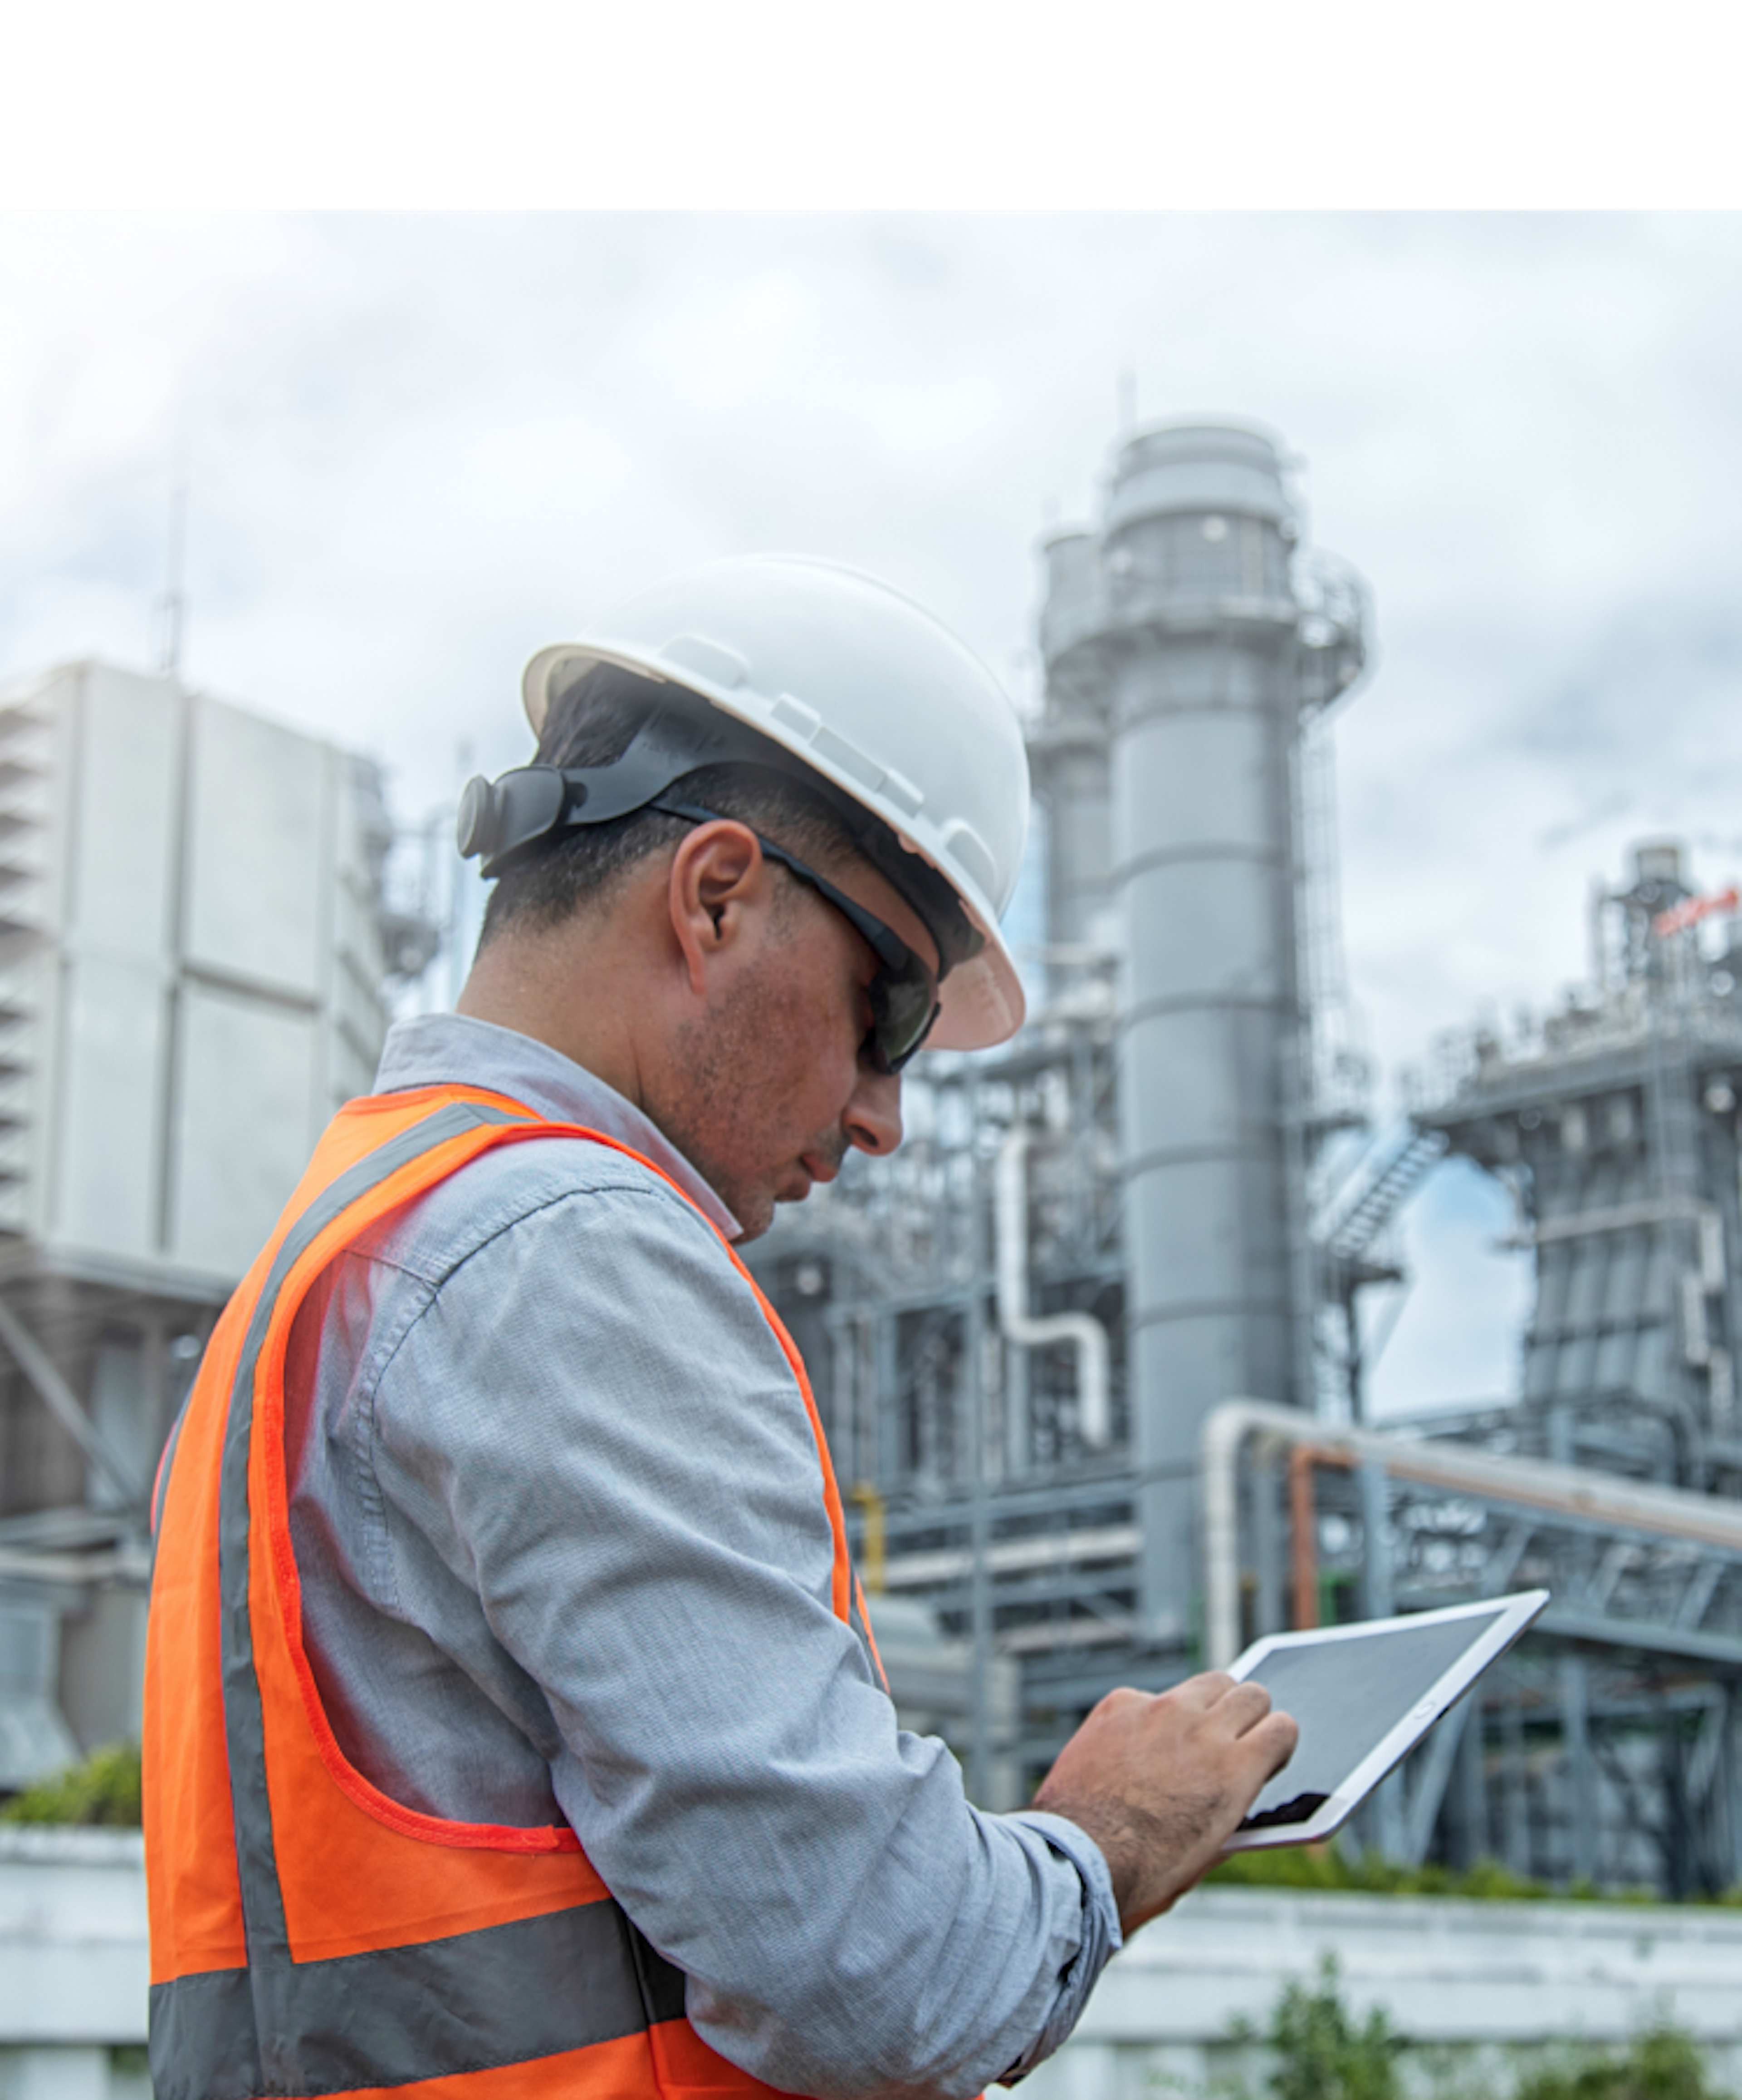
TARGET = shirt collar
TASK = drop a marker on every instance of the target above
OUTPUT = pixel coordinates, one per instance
(453, 1049)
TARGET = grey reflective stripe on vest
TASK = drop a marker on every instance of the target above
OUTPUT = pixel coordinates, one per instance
(166, 1467)
(506, 1994)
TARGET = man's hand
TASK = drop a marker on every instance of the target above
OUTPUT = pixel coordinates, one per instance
(1160, 1783)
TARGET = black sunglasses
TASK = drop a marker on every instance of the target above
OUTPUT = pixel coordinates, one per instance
(903, 994)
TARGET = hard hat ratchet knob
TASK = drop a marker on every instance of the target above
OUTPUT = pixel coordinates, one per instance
(475, 825)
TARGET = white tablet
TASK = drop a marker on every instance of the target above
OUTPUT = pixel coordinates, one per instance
(1365, 1695)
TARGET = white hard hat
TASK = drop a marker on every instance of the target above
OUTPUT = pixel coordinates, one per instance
(872, 693)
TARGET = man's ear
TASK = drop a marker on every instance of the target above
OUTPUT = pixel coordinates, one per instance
(718, 881)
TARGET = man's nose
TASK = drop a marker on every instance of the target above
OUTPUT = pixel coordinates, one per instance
(873, 1120)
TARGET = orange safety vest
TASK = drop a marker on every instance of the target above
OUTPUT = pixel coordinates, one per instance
(309, 1934)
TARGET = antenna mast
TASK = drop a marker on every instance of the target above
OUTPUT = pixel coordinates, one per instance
(172, 606)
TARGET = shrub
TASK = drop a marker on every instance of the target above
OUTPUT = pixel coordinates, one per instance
(1319, 2051)
(1322, 2054)
(1329, 1867)
(1663, 2063)
(104, 1789)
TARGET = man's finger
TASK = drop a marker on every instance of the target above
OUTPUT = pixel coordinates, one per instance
(1278, 1736)
(1204, 1690)
(1246, 1705)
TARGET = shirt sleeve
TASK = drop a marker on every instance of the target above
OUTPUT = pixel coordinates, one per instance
(592, 1423)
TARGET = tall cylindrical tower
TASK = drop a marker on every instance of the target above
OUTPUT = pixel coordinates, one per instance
(1179, 629)
(1068, 757)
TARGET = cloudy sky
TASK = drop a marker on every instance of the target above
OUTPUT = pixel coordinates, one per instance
(418, 447)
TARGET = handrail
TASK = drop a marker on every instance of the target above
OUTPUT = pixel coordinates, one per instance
(61, 1401)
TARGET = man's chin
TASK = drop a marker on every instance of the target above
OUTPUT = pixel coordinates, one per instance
(756, 1213)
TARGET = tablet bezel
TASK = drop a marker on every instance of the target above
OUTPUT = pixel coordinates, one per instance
(1512, 1615)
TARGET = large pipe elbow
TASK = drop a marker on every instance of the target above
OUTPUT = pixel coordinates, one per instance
(1220, 1436)
(1081, 1331)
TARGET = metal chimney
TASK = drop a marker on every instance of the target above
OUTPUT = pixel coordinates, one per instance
(1179, 629)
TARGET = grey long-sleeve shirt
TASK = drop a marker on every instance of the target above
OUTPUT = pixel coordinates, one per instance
(557, 1507)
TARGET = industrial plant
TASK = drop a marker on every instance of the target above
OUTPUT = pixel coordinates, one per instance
(1089, 1347)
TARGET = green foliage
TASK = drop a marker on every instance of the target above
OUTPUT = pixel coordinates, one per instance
(1321, 2054)
(1319, 2051)
(104, 1789)
(1329, 1867)
(1491, 1879)
(1662, 2063)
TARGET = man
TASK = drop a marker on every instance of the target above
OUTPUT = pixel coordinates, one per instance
(513, 1724)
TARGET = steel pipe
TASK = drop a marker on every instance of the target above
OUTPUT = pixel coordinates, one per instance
(1081, 1331)
(1530, 1483)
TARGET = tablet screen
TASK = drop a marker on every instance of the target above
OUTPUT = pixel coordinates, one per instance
(1347, 1694)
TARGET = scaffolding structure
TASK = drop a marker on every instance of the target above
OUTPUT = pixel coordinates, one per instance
(1613, 1122)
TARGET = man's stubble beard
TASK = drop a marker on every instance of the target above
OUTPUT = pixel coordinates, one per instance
(728, 1111)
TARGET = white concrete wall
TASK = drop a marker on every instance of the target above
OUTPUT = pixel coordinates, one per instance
(1490, 1980)
(1497, 1979)
(74, 1968)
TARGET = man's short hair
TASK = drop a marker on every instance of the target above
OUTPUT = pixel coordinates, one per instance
(593, 723)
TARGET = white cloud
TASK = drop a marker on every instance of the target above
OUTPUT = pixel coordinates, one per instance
(420, 447)
(1456, 1340)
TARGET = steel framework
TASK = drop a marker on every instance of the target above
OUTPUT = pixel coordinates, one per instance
(1606, 1748)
